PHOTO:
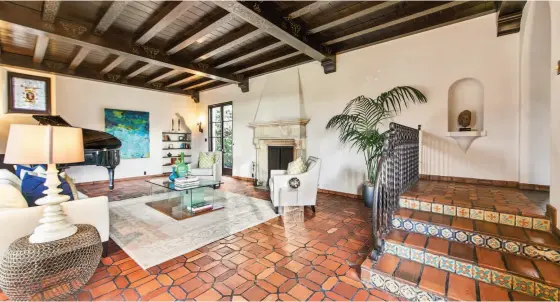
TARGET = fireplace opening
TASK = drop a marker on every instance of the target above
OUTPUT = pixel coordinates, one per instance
(279, 157)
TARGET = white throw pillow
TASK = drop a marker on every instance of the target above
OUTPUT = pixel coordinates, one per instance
(7, 177)
(297, 166)
(11, 197)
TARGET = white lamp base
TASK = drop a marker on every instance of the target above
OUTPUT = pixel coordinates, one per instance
(53, 224)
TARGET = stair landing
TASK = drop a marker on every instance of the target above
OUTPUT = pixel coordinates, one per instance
(502, 205)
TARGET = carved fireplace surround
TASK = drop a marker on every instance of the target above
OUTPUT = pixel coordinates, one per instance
(277, 133)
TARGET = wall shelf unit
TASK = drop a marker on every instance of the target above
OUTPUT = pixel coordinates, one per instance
(172, 144)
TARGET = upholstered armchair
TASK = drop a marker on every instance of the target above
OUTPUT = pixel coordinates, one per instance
(282, 194)
(214, 173)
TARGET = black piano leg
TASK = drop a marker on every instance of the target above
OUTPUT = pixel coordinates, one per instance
(111, 178)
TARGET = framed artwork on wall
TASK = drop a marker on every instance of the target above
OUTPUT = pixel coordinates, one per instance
(28, 94)
(132, 128)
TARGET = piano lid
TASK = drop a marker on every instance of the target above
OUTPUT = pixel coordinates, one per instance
(93, 139)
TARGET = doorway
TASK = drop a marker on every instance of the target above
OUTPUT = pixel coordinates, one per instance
(221, 133)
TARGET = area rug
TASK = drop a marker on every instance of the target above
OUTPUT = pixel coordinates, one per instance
(150, 237)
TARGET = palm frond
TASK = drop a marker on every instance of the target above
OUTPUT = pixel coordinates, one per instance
(359, 122)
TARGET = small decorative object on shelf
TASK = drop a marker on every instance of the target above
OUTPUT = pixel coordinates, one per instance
(173, 160)
(166, 138)
(294, 182)
(170, 146)
(169, 154)
(181, 138)
(464, 120)
(182, 145)
(179, 125)
(172, 125)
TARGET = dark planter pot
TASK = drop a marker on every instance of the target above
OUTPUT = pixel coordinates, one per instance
(368, 193)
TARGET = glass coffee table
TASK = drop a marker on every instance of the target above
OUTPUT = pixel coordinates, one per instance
(183, 202)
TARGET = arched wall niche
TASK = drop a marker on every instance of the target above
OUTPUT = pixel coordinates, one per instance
(466, 94)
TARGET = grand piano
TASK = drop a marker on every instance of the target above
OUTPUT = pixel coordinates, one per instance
(100, 148)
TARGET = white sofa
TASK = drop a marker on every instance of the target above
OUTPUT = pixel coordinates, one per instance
(282, 194)
(19, 221)
(215, 173)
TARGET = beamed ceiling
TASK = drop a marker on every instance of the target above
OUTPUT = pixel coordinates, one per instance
(186, 47)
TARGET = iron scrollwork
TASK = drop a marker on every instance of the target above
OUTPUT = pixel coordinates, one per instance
(397, 170)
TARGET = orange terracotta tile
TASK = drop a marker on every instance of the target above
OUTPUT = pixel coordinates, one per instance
(492, 293)
(433, 280)
(461, 288)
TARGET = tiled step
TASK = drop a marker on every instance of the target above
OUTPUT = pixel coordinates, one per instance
(528, 276)
(504, 238)
(419, 282)
(486, 211)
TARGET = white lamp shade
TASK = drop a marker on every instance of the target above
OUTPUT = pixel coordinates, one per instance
(31, 144)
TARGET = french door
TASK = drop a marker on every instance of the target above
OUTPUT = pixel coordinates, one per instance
(221, 133)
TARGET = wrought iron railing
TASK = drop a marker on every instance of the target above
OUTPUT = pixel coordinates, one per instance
(397, 170)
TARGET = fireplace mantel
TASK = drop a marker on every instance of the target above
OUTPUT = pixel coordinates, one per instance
(277, 133)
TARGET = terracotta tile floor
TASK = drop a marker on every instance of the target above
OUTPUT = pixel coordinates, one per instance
(317, 261)
(501, 199)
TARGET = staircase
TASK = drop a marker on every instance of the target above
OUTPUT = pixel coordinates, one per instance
(450, 241)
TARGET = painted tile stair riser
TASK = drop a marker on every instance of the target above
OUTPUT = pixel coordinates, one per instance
(540, 224)
(472, 237)
(473, 271)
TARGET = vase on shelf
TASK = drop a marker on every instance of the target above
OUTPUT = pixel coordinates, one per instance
(172, 125)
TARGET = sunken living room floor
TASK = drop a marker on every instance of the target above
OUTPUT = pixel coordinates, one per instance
(319, 261)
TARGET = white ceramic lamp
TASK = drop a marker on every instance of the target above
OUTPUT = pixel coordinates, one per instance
(31, 144)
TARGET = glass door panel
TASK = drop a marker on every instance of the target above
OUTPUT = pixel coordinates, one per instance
(221, 134)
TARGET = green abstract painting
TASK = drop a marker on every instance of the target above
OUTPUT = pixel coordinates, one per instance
(132, 128)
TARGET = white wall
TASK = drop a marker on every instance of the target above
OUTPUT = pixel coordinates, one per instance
(555, 107)
(81, 103)
(430, 61)
(534, 145)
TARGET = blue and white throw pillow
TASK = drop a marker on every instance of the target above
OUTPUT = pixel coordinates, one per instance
(21, 170)
(32, 187)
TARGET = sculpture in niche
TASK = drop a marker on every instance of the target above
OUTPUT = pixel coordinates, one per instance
(465, 120)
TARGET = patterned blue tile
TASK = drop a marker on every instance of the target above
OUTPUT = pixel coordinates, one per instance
(447, 264)
(417, 255)
(464, 269)
(431, 259)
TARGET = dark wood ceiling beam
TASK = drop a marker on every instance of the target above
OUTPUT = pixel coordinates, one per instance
(351, 17)
(40, 49)
(26, 62)
(50, 10)
(251, 54)
(200, 34)
(19, 18)
(509, 17)
(109, 17)
(116, 62)
(171, 12)
(266, 17)
(165, 76)
(395, 22)
(307, 9)
(82, 54)
(138, 71)
(467, 11)
(229, 45)
(278, 59)
(184, 81)
(199, 85)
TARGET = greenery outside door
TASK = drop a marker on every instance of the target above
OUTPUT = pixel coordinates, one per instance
(221, 133)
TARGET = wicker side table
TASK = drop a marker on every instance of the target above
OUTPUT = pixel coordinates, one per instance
(52, 270)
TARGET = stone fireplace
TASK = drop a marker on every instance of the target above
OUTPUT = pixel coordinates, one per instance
(277, 133)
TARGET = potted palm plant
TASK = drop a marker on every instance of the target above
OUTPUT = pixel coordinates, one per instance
(360, 122)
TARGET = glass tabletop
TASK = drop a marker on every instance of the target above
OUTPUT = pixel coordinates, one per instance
(166, 183)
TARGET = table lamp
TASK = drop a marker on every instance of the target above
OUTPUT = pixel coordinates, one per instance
(31, 144)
